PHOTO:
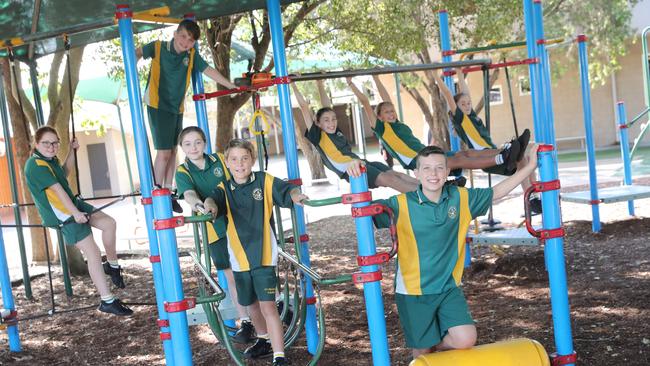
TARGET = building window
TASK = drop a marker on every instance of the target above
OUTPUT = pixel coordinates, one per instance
(496, 95)
(524, 85)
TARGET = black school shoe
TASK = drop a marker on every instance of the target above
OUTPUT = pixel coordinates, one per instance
(535, 206)
(261, 349)
(115, 273)
(510, 155)
(245, 334)
(176, 207)
(288, 316)
(115, 307)
(459, 181)
(523, 140)
(281, 361)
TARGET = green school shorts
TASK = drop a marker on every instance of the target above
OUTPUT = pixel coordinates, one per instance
(373, 169)
(73, 232)
(256, 284)
(425, 319)
(219, 253)
(165, 128)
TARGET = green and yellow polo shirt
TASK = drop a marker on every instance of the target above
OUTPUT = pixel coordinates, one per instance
(41, 174)
(248, 208)
(472, 131)
(399, 141)
(170, 75)
(333, 148)
(189, 177)
(431, 236)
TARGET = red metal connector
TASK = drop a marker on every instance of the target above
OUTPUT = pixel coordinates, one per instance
(146, 201)
(595, 202)
(170, 223)
(369, 260)
(11, 319)
(545, 148)
(120, 13)
(448, 53)
(350, 198)
(165, 336)
(175, 307)
(370, 210)
(360, 277)
(303, 238)
(310, 300)
(564, 360)
(581, 38)
(551, 185)
(622, 127)
(154, 259)
(297, 181)
(162, 322)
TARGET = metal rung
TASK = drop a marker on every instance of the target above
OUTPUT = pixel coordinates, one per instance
(609, 194)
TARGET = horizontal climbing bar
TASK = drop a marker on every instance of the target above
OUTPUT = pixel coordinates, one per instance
(323, 202)
(638, 117)
(504, 46)
(210, 299)
(309, 272)
(388, 70)
(499, 65)
(198, 218)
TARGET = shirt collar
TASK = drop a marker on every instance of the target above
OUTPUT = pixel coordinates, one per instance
(234, 185)
(422, 199)
(41, 156)
(208, 162)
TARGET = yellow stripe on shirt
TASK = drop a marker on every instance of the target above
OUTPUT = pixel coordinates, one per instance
(331, 151)
(267, 250)
(464, 219)
(473, 134)
(409, 267)
(391, 138)
(154, 79)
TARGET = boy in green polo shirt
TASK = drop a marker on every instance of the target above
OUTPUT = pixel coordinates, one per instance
(170, 74)
(247, 201)
(432, 223)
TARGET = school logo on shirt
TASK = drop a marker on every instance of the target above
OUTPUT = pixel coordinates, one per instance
(186, 61)
(218, 172)
(452, 213)
(257, 194)
(339, 133)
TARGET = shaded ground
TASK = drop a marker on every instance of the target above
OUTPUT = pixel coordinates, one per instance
(608, 276)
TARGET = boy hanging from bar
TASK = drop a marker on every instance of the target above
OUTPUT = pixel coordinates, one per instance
(470, 128)
(401, 144)
(432, 224)
(247, 199)
(170, 74)
(336, 152)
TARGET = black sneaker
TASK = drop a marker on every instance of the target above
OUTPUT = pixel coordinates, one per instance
(523, 139)
(245, 334)
(176, 207)
(281, 361)
(261, 349)
(459, 181)
(510, 155)
(535, 206)
(115, 307)
(115, 273)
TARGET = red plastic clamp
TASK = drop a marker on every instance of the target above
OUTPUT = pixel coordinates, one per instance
(448, 53)
(162, 322)
(11, 319)
(197, 97)
(175, 307)
(170, 223)
(370, 210)
(595, 202)
(581, 38)
(622, 127)
(154, 259)
(146, 201)
(303, 238)
(449, 73)
(297, 181)
(361, 277)
(369, 260)
(545, 148)
(551, 185)
(310, 300)
(564, 360)
(165, 336)
(350, 198)
(121, 13)
(282, 80)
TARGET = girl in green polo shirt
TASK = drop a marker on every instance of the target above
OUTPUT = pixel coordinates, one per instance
(336, 152)
(401, 144)
(59, 208)
(196, 178)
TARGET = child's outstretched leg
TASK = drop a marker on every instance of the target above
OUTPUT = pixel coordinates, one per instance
(398, 181)
(107, 225)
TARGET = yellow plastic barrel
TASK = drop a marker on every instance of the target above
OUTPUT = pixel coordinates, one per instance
(515, 352)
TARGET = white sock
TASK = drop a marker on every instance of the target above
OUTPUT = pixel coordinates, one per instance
(264, 336)
(108, 298)
(245, 319)
(114, 264)
(498, 159)
(278, 354)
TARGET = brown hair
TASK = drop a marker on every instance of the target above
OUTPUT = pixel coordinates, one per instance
(188, 130)
(191, 27)
(242, 144)
(322, 111)
(380, 106)
(38, 135)
(426, 151)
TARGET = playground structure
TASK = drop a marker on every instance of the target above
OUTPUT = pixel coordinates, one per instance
(171, 301)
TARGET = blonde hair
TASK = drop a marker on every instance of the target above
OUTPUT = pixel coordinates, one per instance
(242, 144)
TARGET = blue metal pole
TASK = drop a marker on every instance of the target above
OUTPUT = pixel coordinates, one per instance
(202, 121)
(545, 75)
(123, 15)
(372, 289)
(174, 296)
(625, 152)
(533, 70)
(554, 253)
(7, 295)
(445, 45)
(589, 135)
(291, 156)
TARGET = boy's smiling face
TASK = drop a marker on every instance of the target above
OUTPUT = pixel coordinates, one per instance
(240, 163)
(183, 40)
(432, 172)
